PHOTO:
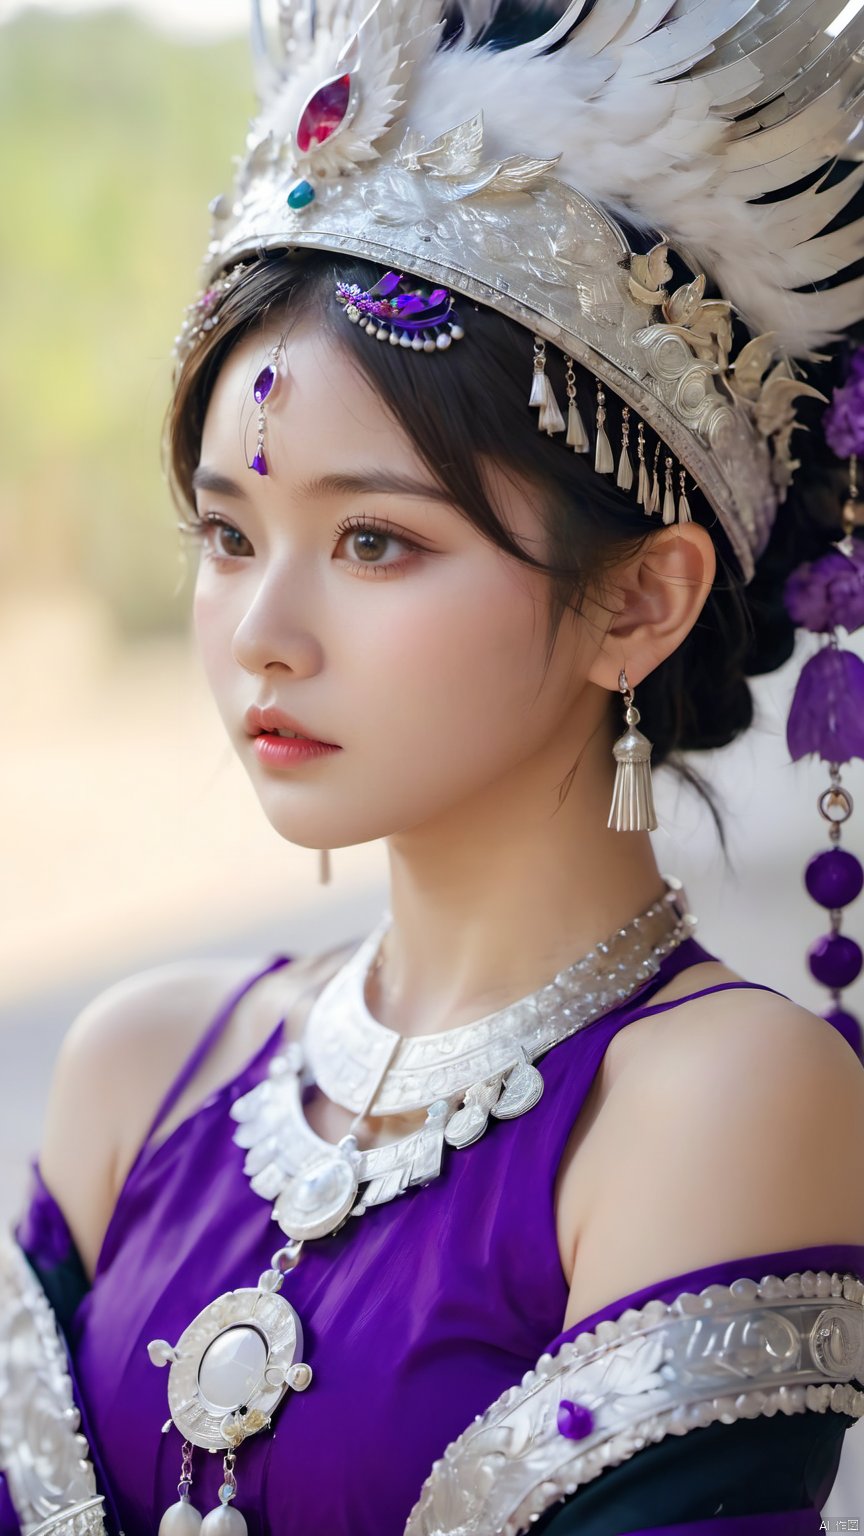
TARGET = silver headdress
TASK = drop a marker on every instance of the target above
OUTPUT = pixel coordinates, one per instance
(519, 176)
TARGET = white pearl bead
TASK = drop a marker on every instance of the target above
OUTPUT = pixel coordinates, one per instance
(181, 1519)
(224, 1521)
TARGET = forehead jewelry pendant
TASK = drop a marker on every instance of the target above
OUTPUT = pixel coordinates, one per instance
(262, 389)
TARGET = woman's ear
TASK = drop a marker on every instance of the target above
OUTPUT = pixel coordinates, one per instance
(652, 602)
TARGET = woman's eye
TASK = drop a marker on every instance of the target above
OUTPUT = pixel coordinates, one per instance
(221, 539)
(366, 542)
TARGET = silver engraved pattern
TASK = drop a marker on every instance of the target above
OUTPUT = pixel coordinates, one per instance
(44, 1455)
(729, 1352)
(288, 1162)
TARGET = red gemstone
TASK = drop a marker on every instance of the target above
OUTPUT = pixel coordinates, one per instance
(324, 112)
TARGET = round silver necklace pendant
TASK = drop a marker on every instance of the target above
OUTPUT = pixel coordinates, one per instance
(319, 1197)
(232, 1366)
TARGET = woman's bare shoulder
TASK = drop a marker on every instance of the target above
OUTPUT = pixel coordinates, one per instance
(122, 1052)
(722, 1114)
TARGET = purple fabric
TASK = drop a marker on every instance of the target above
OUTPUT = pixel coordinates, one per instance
(416, 1316)
(9, 1522)
(786, 1522)
(42, 1231)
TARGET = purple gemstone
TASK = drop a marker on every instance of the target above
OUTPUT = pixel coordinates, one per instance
(264, 383)
(834, 878)
(835, 960)
(849, 1028)
(259, 463)
(575, 1421)
(324, 112)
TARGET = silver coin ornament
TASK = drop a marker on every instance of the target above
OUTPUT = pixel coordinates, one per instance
(523, 1088)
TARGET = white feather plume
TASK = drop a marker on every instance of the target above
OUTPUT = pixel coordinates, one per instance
(642, 101)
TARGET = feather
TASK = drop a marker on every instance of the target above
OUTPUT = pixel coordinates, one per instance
(671, 114)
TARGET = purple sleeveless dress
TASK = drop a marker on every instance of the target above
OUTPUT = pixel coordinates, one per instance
(416, 1316)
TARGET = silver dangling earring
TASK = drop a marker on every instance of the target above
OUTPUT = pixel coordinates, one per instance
(632, 808)
(324, 866)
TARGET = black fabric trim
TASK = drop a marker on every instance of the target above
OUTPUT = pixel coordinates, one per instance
(65, 1284)
(754, 1466)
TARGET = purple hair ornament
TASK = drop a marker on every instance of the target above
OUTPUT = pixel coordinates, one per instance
(826, 717)
(396, 310)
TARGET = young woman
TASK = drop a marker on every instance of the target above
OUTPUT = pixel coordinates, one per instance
(426, 1238)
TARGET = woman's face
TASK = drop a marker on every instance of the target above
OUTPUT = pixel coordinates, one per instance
(345, 590)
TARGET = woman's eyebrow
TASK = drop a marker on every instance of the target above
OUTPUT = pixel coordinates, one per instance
(380, 481)
(205, 479)
(373, 481)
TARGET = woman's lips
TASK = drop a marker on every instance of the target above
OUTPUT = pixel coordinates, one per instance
(283, 751)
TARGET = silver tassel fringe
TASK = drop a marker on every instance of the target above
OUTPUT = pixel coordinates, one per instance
(539, 386)
(550, 419)
(604, 461)
(684, 513)
(644, 495)
(625, 471)
(632, 808)
(539, 381)
(577, 437)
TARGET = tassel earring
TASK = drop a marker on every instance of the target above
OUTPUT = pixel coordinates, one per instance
(542, 393)
(684, 513)
(632, 808)
(604, 461)
(577, 437)
(324, 866)
(625, 468)
(644, 491)
(669, 497)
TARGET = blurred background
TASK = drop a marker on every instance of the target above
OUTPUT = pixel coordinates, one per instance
(129, 833)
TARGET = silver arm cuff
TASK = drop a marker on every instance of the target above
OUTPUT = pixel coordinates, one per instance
(728, 1353)
(43, 1454)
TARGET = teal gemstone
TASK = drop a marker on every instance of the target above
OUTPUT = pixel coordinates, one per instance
(301, 195)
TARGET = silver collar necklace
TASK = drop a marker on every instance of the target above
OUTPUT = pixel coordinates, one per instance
(459, 1076)
(346, 1048)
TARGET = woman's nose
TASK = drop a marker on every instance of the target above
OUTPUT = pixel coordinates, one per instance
(277, 626)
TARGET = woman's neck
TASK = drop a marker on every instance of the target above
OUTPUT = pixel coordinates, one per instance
(492, 899)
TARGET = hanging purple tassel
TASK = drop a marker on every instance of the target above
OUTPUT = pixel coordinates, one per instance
(827, 714)
(843, 422)
(828, 591)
